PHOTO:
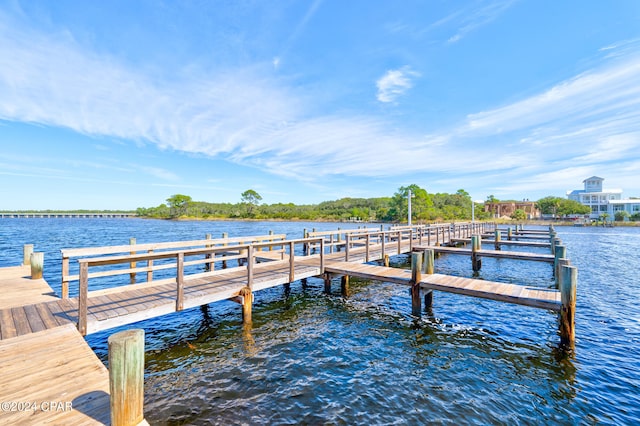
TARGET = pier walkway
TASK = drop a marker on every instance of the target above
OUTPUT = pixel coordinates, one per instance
(42, 351)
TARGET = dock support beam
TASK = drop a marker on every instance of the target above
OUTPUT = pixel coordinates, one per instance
(416, 277)
(126, 377)
(568, 288)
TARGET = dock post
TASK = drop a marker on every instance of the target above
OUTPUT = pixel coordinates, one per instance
(429, 267)
(27, 249)
(209, 266)
(560, 253)
(132, 265)
(224, 262)
(247, 301)
(476, 262)
(339, 240)
(509, 233)
(416, 277)
(37, 265)
(347, 242)
(305, 246)
(386, 260)
(126, 377)
(344, 285)
(327, 283)
(497, 239)
(561, 262)
(568, 288)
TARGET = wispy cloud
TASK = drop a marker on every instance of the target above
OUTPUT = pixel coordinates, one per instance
(296, 33)
(471, 18)
(395, 83)
(247, 118)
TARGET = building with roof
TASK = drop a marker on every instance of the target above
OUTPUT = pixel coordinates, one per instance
(603, 201)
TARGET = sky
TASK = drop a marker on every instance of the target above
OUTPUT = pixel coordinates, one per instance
(121, 104)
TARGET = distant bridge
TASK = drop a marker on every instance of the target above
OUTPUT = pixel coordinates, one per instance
(69, 215)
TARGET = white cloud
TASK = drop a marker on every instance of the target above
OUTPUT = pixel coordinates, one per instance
(395, 83)
(246, 118)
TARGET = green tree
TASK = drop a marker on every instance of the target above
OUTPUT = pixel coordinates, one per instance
(421, 202)
(492, 199)
(621, 215)
(178, 204)
(519, 214)
(251, 199)
(549, 205)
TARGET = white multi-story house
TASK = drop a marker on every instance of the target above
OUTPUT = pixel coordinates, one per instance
(601, 201)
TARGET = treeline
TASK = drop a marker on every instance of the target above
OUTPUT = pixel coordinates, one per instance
(426, 207)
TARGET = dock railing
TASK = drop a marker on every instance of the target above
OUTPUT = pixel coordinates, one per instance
(231, 244)
(248, 251)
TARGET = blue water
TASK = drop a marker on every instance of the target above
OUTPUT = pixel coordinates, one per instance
(314, 358)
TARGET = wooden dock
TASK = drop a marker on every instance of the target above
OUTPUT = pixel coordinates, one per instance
(499, 254)
(17, 287)
(537, 297)
(53, 377)
(33, 320)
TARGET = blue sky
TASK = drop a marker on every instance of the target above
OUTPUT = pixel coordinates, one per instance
(120, 104)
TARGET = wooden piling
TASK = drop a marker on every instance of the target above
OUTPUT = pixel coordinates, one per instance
(327, 283)
(509, 233)
(386, 260)
(247, 301)
(497, 239)
(344, 286)
(568, 289)
(476, 261)
(429, 261)
(132, 265)
(429, 268)
(416, 277)
(224, 262)
(560, 253)
(209, 266)
(126, 377)
(180, 282)
(27, 249)
(561, 262)
(37, 265)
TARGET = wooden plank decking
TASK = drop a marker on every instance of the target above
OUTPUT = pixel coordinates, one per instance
(504, 242)
(537, 297)
(52, 377)
(500, 254)
(17, 287)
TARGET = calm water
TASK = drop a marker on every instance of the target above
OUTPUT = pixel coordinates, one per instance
(313, 358)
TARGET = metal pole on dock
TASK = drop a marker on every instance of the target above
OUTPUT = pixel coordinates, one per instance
(126, 377)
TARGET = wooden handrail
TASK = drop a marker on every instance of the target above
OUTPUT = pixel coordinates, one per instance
(179, 255)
